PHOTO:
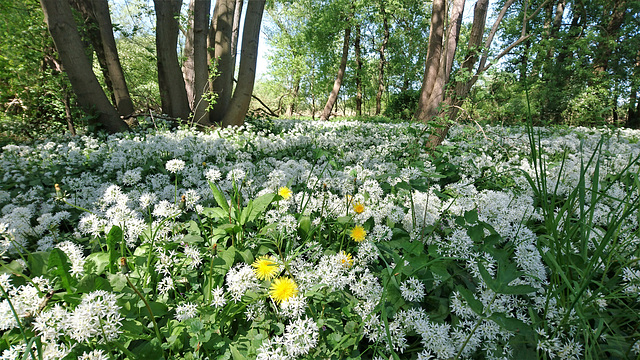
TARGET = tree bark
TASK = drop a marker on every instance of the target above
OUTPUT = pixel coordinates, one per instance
(91, 97)
(239, 104)
(200, 61)
(235, 31)
(173, 93)
(96, 13)
(188, 70)
(333, 96)
(222, 85)
(358, 55)
(609, 32)
(381, 65)
(431, 98)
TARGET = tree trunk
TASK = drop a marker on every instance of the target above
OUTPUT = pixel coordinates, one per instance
(235, 31)
(91, 97)
(124, 104)
(333, 96)
(222, 85)
(608, 32)
(239, 104)
(294, 97)
(98, 19)
(188, 70)
(439, 58)
(200, 61)
(385, 40)
(173, 93)
(356, 46)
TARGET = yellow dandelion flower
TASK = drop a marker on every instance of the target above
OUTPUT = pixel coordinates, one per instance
(282, 288)
(265, 267)
(357, 233)
(358, 207)
(345, 259)
(284, 192)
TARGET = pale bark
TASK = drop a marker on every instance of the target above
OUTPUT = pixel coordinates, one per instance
(333, 96)
(222, 85)
(382, 63)
(239, 104)
(91, 97)
(358, 72)
(188, 70)
(173, 93)
(235, 31)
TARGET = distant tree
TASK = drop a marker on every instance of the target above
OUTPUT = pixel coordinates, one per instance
(441, 94)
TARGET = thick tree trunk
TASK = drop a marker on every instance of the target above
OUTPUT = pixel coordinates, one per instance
(239, 104)
(91, 97)
(381, 65)
(358, 55)
(200, 61)
(333, 96)
(222, 57)
(173, 93)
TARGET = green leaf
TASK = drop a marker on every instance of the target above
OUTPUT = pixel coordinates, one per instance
(113, 238)
(191, 238)
(519, 289)
(92, 282)
(471, 216)
(511, 324)
(474, 304)
(38, 263)
(235, 353)
(219, 197)
(96, 263)
(260, 204)
(58, 262)
(344, 219)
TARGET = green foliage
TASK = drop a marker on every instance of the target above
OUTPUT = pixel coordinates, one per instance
(402, 105)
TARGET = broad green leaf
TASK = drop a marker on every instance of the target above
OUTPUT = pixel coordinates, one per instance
(260, 204)
(58, 262)
(219, 197)
(113, 238)
(97, 262)
(92, 282)
(512, 324)
(38, 263)
(474, 304)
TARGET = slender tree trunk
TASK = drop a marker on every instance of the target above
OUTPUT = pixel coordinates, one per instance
(173, 93)
(97, 15)
(200, 61)
(381, 65)
(124, 104)
(239, 104)
(333, 96)
(223, 83)
(294, 98)
(358, 72)
(438, 70)
(91, 97)
(608, 32)
(188, 70)
(235, 31)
